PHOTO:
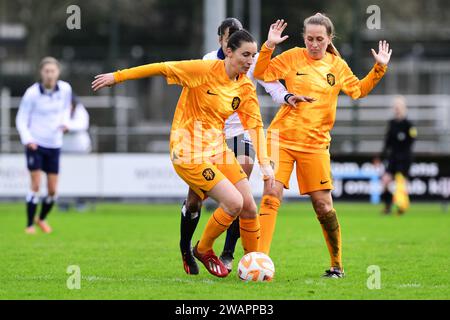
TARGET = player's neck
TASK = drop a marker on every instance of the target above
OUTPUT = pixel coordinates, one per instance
(232, 73)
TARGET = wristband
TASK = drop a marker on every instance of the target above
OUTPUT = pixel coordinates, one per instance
(286, 97)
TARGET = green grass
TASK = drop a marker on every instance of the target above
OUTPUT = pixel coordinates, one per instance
(131, 252)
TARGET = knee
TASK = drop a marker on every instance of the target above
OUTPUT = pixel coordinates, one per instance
(193, 206)
(51, 191)
(249, 209)
(234, 207)
(322, 207)
(274, 192)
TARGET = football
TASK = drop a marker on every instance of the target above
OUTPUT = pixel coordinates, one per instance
(256, 266)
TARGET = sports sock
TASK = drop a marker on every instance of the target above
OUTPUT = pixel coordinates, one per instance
(332, 233)
(232, 237)
(267, 218)
(47, 205)
(189, 221)
(250, 234)
(32, 201)
(217, 224)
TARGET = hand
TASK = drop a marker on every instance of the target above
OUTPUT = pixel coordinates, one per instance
(64, 129)
(384, 54)
(103, 80)
(32, 146)
(267, 171)
(274, 37)
(293, 100)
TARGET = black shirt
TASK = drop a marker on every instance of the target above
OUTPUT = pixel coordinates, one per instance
(399, 139)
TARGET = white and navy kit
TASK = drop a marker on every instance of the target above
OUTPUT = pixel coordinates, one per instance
(237, 137)
(41, 117)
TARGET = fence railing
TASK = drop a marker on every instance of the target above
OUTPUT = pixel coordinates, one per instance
(359, 129)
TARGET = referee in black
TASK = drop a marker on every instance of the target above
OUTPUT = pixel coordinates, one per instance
(397, 150)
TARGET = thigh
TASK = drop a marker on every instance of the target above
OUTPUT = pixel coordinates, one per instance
(230, 167)
(249, 206)
(228, 197)
(35, 177)
(34, 159)
(52, 183)
(313, 172)
(242, 148)
(50, 163)
(282, 162)
(386, 178)
(201, 178)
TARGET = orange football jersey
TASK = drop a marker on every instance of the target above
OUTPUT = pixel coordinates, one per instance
(307, 127)
(208, 98)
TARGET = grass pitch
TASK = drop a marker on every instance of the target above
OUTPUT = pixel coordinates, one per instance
(131, 252)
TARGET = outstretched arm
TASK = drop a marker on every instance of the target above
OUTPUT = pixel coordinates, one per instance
(189, 73)
(110, 79)
(356, 88)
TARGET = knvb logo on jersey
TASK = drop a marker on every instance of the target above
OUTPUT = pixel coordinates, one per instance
(330, 79)
(236, 102)
(209, 174)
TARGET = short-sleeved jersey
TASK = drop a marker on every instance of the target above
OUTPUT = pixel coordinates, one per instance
(307, 127)
(208, 98)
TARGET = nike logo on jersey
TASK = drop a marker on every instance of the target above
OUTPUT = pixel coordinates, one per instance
(301, 74)
(323, 182)
(211, 93)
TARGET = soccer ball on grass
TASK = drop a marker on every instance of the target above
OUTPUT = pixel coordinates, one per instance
(256, 266)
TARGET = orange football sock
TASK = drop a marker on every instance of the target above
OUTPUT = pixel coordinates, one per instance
(250, 234)
(332, 233)
(217, 224)
(267, 218)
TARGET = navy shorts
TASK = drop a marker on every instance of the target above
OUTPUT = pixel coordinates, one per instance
(45, 159)
(241, 146)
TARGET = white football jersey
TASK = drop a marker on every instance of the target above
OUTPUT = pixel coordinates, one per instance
(43, 114)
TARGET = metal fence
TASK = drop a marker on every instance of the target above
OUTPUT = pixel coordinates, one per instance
(358, 129)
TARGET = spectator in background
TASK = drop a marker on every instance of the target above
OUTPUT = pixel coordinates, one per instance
(76, 141)
(397, 151)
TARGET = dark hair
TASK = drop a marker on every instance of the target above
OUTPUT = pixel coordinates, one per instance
(234, 42)
(232, 23)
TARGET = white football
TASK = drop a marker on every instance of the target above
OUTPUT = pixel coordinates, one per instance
(256, 266)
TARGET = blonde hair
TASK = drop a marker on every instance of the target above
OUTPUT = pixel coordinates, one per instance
(322, 20)
(48, 60)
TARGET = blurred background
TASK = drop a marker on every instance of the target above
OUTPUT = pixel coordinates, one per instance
(135, 117)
